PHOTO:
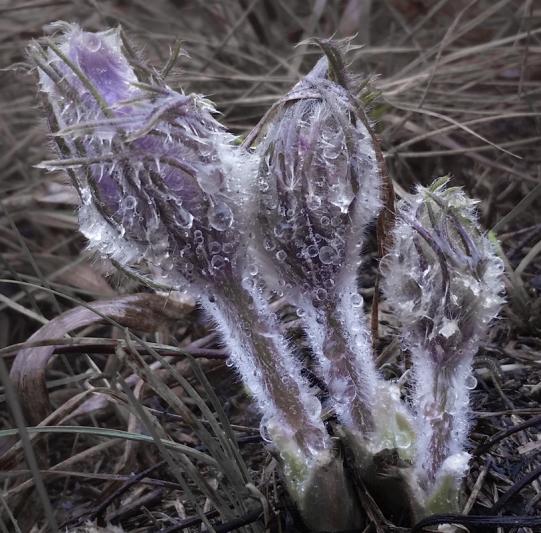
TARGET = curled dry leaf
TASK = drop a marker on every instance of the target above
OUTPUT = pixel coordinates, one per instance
(143, 312)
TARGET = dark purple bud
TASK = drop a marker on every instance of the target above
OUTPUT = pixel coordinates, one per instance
(319, 184)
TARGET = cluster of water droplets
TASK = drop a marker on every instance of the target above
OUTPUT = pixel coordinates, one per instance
(312, 159)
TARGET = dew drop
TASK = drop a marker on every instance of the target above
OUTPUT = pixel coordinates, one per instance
(269, 245)
(217, 262)
(356, 300)
(263, 429)
(312, 250)
(327, 255)
(184, 219)
(92, 42)
(129, 202)
(470, 382)
(215, 247)
(320, 294)
(220, 216)
(281, 255)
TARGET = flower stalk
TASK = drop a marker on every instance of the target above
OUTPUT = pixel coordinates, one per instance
(444, 281)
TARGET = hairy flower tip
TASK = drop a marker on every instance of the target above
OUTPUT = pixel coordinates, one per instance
(442, 275)
(444, 281)
(319, 182)
(158, 176)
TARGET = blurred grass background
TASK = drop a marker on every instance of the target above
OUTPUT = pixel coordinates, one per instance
(135, 417)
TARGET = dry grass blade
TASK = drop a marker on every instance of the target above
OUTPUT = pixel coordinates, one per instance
(142, 311)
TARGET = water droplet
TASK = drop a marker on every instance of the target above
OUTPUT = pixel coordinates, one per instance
(92, 42)
(281, 255)
(336, 221)
(300, 312)
(220, 216)
(312, 250)
(282, 230)
(327, 255)
(356, 300)
(470, 382)
(320, 294)
(130, 202)
(217, 262)
(269, 245)
(185, 219)
(264, 430)
(215, 247)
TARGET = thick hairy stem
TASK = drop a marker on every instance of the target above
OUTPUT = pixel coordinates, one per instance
(345, 364)
(291, 412)
(441, 397)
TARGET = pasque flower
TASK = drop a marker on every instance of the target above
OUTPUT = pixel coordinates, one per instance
(444, 281)
(160, 180)
(162, 183)
(319, 189)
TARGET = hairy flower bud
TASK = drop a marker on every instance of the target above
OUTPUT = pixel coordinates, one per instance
(150, 163)
(444, 282)
(319, 183)
(319, 188)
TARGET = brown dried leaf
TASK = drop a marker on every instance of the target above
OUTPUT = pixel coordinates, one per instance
(142, 312)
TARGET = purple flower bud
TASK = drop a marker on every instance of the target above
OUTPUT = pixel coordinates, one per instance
(444, 281)
(150, 163)
(319, 182)
(319, 188)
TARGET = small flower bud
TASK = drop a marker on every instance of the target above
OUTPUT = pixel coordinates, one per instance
(444, 281)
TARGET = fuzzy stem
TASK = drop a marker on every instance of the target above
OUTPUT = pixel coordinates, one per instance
(291, 412)
(345, 363)
(441, 397)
